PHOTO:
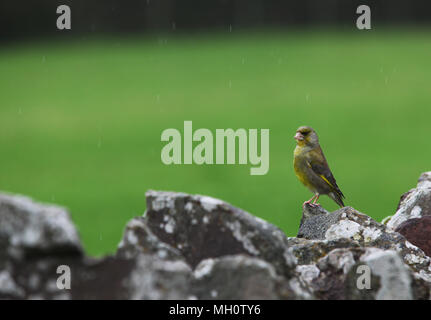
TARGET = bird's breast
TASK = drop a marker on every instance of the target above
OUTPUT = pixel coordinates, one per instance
(300, 166)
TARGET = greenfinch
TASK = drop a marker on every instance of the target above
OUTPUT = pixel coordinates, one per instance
(312, 169)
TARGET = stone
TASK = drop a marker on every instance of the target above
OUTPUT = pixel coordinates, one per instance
(418, 232)
(241, 277)
(202, 227)
(189, 247)
(394, 276)
(138, 239)
(341, 273)
(310, 251)
(28, 228)
(415, 203)
(153, 278)
(355, 229)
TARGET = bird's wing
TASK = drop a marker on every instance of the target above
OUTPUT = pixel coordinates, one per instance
(320, 167)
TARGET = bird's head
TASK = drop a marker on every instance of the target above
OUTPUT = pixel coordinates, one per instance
(306, 136)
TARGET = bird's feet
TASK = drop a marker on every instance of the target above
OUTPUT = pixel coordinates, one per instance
(313, 205)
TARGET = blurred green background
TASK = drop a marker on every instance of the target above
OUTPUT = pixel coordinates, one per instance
(80, 121)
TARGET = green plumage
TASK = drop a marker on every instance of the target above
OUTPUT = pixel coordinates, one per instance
(311, 167)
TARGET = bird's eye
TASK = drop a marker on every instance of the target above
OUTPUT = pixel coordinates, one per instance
(304, 133)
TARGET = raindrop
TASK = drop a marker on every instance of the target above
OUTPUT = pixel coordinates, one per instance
(174, 26)
(162, 41)
(230, 28)
(230, 84)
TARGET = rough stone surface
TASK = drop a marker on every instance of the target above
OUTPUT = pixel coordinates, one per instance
(310, 251)
(356, 229)
(418, 232)
(138, 239)
(27, 227)
(415, 203)
(413, 215)
(201, 227)
(155, 279)
(241, 277)
(197, 247)
(337, 275)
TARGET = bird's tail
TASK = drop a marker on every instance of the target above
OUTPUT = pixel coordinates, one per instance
(337, 197)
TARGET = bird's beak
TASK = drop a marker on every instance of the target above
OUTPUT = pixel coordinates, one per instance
(298, 136)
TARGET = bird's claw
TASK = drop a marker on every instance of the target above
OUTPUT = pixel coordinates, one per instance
(313, 205)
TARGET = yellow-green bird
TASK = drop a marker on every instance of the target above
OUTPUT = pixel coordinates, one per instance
(312, 169)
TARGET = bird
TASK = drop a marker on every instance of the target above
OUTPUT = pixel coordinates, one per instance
(311, 167)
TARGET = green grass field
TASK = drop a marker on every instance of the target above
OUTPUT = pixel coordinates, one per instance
(80, 121)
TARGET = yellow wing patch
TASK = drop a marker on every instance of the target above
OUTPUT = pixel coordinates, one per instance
(322, 176)
(326, 180)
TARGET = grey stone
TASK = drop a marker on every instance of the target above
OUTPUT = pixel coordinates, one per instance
(242, 277)
(27, 228)
(355, 229)
(415, 203)
(340, 275)
(310, 251)
(138, 239)
(153, 278)
(394, 276)
(202, 227)
(197, 247)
